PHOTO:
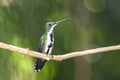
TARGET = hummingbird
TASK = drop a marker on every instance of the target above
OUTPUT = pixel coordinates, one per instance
(46, 43)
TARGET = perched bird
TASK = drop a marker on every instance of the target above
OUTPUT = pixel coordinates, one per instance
(46, 43)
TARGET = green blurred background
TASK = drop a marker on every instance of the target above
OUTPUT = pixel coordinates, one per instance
(94, 23)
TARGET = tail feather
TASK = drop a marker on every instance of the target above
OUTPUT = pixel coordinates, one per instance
(39, 64)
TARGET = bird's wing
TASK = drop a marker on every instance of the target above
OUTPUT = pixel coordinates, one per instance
(41, 44)
(40, 62)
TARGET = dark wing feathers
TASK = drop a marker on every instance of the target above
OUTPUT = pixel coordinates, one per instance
(39, 62)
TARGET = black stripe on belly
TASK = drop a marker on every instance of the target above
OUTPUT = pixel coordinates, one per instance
(49, 46)
(51, 36)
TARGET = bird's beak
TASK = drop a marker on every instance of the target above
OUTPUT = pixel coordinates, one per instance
(57, 22)
(62, 20)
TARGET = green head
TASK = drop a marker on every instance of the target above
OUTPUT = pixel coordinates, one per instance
(51, 25)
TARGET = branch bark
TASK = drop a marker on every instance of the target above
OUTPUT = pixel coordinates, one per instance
(57, 57)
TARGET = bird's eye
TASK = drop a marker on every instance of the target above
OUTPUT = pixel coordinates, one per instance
(49, 25)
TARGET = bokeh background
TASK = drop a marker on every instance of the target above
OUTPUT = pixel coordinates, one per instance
(94, 23)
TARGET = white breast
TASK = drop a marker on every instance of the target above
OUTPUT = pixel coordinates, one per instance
(48, 49)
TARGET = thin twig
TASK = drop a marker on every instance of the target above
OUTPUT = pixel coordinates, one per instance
(57, 57)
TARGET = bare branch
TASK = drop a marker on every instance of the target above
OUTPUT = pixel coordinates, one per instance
(57, 57)
(24, 51)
